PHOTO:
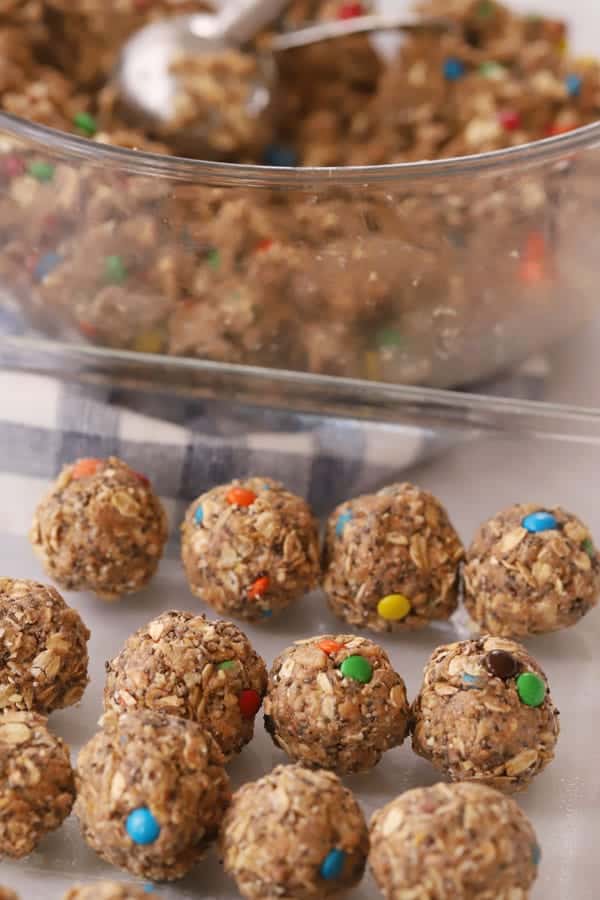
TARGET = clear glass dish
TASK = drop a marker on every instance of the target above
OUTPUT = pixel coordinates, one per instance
(432, 273)
(502, 452)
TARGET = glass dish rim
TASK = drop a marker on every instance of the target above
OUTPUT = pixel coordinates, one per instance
(138, 162)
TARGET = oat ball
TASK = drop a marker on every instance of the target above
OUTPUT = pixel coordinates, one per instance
(151, 793)
(295, 833)
(37, 788)
(453, 842)
(101, 528)
(485, 714)
(391, 560)
(335, 702)
(106, 890)
(43, 648)
(530, 570)
(184, 665)
(7, 894)
(250, 548)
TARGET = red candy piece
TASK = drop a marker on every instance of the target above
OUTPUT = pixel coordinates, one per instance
(264, 245)
(238, 496)
(13, 166)
(350, 10)
(88, 330)
(554, 129)
(250, 702)
(533, 264)
(510, 119)
(329, 647)
(145, 481)
(83, 468)
(260, 587)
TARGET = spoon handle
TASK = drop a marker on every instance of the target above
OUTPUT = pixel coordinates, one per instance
(241, 20)
(327, 31)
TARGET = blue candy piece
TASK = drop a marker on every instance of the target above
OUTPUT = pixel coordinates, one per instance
(199, 516)
(471, 681)
(142, 827)
(267, 613)
(280, 155)
(47, 264)
(573, 84)
(453, 69)
(342, 521)
(149, 889)
(539, 521)
(536, 854)
(333, 865)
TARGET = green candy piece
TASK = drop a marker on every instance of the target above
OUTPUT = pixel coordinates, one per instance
(491, 69)
(114, 270)
(589, 548)
(214, 259)
(227, 664)
(358, 668)
(485, 9)
(389, 337)
(531, 689)
(86, 123)
(42, 171)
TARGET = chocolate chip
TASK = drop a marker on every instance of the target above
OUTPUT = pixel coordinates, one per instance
(502, 664)
(269, 725)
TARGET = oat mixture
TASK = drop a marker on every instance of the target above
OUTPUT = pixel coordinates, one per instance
(184, 665)
(335, 702)
(391, 560)
(485, 714)
(531, 570)
(43, 648)
(453, 842)
(151, 793)
(37, 788)
(394, 283)
(294, 833)
(100, 528)
(250, 548)
(106, 890)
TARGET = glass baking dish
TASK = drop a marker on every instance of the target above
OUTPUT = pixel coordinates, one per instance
(434, 273)
(502, 453)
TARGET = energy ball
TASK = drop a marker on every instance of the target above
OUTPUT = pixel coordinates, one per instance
(531, 570)
(184, 665)
(101, 528)
(250, 548)
(151, 793)
(453, 842)
(43, 648)
(37, 788)
(485, 714)
(335, 702)
(106, 890)
(7, 894)
(391, 560)
(294, 833)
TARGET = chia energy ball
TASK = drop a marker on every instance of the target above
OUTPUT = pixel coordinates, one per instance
(184, 665)
(43, 648)
(151, 793)
(391, 560)
(335, 702)
(294, 833)
(37, 788)
(485, 714)
(100, 528)
(250, 548)
(479, 845)
(531, 570)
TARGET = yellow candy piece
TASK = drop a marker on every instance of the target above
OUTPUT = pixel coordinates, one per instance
(394, 607)
(149, 342)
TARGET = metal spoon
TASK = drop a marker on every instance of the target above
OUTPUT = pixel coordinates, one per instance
(147, 86)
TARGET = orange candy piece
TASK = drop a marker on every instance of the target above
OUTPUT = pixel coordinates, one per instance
(83, 468)
(329, 647)
(238, 496)
(260, 587)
